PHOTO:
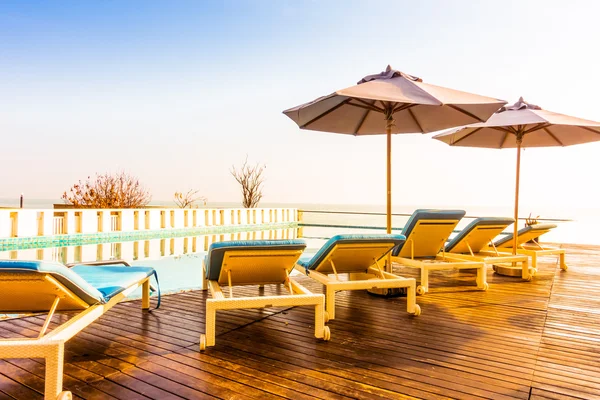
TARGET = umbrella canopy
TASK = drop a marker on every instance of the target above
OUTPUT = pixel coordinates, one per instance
(523, 125)
(529, 123)
(392, 102)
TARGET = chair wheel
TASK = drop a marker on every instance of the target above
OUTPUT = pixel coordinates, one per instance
(326, 334)
(202, 342)
(65, 396)
(528, 279)
(420, 290)
(325, 316)
(485, 286)
(417, 310)
(564, 267)
(534, 271)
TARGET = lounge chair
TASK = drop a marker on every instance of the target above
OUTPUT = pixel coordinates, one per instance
(256, 262)
(475, 240)
(48, 287)
(426, 233)
(360, 256)
(527, 244)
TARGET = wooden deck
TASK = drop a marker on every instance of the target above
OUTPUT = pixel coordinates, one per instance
(537, 340)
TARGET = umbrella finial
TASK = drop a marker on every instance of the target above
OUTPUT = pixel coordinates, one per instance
(520, 105)
(389, 73)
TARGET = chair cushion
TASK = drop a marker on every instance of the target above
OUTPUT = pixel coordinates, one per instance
(314, 261)
(534, 227)
(474, 224)
(425, 214)
(69, 278)
(216, 251)
(111, 280)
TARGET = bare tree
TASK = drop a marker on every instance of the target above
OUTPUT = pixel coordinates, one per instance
(119, 190)
(188, 199)
(250, 177)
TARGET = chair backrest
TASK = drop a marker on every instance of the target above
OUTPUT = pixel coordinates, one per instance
(478, 234)
(352, 253)
(32, 286)
(524, 235)
(426, 231)
(252, 262)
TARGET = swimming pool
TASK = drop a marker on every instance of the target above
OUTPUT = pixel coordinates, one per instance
(178, 260)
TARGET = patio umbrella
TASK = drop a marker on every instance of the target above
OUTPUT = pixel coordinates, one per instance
(523, 125)
(392, 102)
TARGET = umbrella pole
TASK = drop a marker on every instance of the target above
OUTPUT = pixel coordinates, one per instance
(516, 228)
(388, 133)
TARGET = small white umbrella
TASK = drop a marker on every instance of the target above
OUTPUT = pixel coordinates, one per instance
(523, 125)
(392, 102)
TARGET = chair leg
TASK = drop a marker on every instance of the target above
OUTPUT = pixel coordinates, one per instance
(211, 316)
(204, 280)
(561, 258)
(424, 286)
(330, 302)
(411, 298)
(482, 278)
(146, 294)
(525, 267)
(54, 370)
(319, 321)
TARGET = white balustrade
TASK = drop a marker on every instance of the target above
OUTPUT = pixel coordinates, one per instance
(152, 219)
(88, 221)
(114, 223)
(127, 220)
(177, 218)
(70, 222)
(27, 223)
(58, 225)
(47, 222)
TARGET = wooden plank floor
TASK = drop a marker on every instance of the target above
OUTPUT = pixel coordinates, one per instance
(519, 340)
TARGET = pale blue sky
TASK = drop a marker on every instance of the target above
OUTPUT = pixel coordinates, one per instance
(175, 92)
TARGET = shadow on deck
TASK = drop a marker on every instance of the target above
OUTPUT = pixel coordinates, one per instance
(521, 340)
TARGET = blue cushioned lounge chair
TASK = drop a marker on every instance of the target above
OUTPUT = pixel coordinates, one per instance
(475, 243)
(528, 244)
(48, 287)
(426, 233)
(256, 262)
(360, 256)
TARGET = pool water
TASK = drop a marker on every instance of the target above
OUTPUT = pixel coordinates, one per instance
(177, 260)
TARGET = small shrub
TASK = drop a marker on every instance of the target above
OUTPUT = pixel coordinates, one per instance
(250, 177)
(188, 199)
(531, 220)
(118, 190)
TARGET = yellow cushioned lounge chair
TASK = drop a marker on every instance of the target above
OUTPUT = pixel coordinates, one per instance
(256, 262)
(49, 287)
(360, 256)
(426, 233)
(475, 240)
(527, 244)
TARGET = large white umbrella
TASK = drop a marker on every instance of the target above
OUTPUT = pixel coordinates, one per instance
(523, 125)
(392, 102)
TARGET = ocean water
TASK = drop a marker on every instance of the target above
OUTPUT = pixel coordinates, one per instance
(574, 226)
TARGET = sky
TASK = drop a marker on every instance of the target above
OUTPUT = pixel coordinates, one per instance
(177, 92)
